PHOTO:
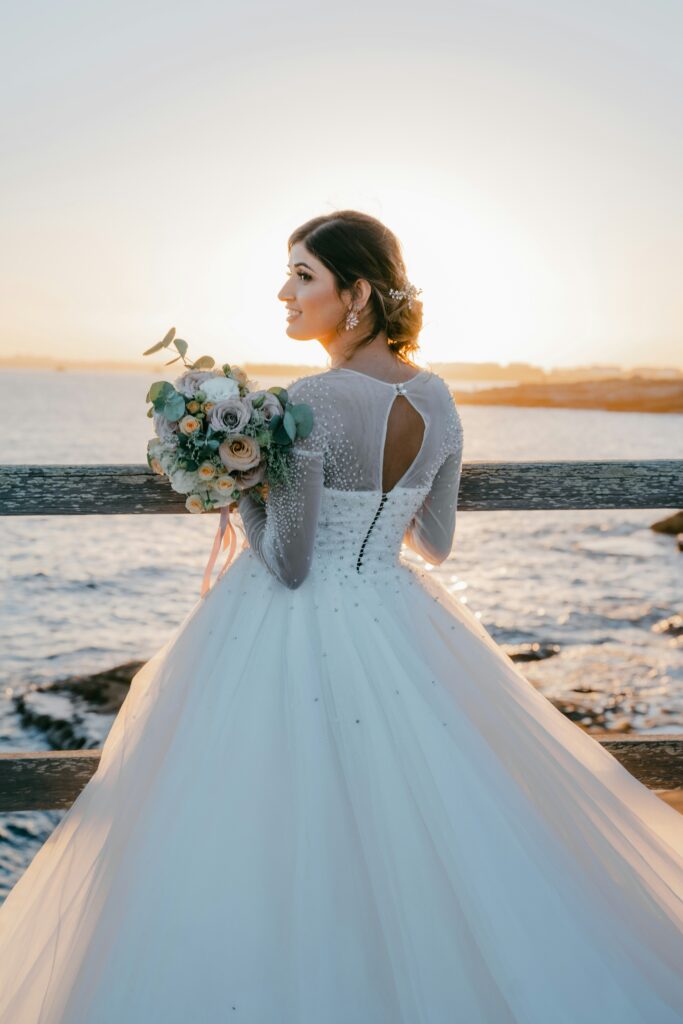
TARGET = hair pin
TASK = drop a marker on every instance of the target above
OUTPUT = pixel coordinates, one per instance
(409, 293)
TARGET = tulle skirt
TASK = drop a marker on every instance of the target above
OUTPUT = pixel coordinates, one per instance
(344, 803)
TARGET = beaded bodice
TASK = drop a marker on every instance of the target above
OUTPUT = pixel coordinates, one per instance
(360, 533)
(334, 514)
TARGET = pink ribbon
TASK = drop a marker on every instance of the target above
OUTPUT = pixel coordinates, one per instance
(226, 534)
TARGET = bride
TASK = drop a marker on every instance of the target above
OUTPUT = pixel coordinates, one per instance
(330, 797)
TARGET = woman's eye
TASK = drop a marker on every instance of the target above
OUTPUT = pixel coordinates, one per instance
(300, 273)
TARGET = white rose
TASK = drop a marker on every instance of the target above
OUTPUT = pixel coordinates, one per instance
(217, 388)
(183, 481)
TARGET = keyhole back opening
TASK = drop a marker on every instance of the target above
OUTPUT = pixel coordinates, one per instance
(404, 434)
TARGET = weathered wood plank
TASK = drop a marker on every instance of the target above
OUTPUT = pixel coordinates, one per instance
(43, 780)
(485, 486)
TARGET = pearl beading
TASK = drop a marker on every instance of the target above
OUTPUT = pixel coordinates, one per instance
(344, 452)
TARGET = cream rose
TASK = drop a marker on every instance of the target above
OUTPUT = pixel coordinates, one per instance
(189, 425)
(220, 387)
(206, 471)
(184, 481)
(231, 415)
(240, 452)
(223, 483)
(193, 503)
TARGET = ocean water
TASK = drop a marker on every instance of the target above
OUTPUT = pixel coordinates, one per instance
(80, 594)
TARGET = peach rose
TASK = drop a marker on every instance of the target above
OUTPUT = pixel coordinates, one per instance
(240, 452)
(189, 425)
(223, 483)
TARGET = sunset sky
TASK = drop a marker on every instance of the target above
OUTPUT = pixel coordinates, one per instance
(155, 157)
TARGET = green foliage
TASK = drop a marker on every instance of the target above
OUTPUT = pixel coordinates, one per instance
(303, 417)
(164, 343)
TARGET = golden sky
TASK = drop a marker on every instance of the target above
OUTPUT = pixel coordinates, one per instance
(155, 157)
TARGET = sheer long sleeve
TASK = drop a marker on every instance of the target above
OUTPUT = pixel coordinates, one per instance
(432, 528)
(282, 533)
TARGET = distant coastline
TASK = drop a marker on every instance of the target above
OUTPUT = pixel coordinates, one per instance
(635, 394)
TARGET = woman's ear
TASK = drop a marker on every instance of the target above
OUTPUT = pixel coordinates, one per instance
(361, 294)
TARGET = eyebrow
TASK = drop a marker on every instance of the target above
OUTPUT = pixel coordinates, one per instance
(301, 264)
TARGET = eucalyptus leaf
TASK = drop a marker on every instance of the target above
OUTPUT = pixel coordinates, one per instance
(175, 407)
(158, 389)
(150, 412)
(280, 435)
(167, 339)
(275, 421)
(173, 361)
(154, 348)
(181, 346)
(303, 414)
(289, 424)
(203, 363)
(280, 394)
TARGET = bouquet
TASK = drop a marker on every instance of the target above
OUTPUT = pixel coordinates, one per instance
(218, 439)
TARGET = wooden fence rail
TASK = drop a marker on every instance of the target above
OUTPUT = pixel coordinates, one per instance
(33, 780)
(485, 487)
(52, 779)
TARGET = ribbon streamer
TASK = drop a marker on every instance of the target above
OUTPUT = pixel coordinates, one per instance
(226, 534)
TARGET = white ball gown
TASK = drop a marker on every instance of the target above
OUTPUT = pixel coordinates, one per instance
(330, 797)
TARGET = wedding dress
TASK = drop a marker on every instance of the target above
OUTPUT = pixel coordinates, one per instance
(331, 798)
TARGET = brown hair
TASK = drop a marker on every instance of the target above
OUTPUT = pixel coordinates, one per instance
(354, 245)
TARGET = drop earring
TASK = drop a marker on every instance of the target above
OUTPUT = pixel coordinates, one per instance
(351, 319)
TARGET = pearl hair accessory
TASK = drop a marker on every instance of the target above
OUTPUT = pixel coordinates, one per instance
(409, 293)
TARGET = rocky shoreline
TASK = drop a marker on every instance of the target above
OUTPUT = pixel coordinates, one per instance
(633, 394)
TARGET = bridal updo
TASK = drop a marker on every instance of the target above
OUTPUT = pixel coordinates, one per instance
(354, 245)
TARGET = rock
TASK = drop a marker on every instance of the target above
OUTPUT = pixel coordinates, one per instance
(76, 712)
(531, 652)
(672, 524)
(672, 625)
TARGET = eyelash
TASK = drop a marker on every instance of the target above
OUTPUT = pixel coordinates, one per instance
(301, 273)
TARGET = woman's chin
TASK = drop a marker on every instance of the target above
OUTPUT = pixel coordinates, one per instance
(291, 330)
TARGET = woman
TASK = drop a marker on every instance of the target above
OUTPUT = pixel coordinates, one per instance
(331, 797)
